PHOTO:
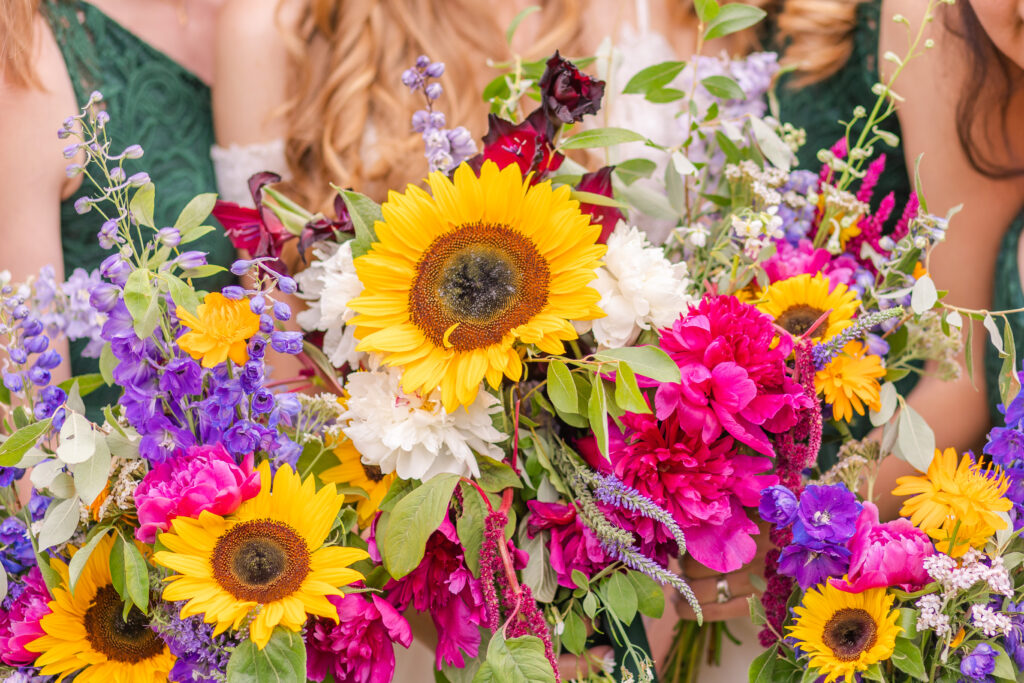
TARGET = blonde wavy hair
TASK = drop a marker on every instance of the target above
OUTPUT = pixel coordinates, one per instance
(348, 117)
(17, 42)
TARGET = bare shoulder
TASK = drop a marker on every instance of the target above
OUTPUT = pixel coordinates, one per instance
(254, 23)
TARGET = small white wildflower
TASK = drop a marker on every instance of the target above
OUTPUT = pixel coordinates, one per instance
(990, 622)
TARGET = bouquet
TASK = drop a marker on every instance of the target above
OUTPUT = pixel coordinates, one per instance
(517, 413)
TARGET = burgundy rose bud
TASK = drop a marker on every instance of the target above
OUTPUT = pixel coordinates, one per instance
(567, 94)
(600, 182)
(527, 144)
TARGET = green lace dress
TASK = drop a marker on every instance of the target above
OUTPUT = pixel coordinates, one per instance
(152, 101)
(818, 109)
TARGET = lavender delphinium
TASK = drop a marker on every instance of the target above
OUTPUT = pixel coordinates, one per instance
(444, 148)
(202, 657)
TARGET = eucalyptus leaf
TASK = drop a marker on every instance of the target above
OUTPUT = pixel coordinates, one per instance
(77, 439)
(3, 583)
(91, 476)
(923, 295)
(45, 472)
(413, 519)
(993, 333)
(888, 400)
(59, 522)
(916, 440)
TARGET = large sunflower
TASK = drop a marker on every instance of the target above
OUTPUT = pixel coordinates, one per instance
(797, 302)
(85, 631)
(457, 278)
(268, 557)
(844, 633)
(850, 382)
(352, 471)
(956, 503)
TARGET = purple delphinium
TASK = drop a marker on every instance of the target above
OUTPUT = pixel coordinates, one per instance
(813, 563)
(778, 505)
(1005, 446)
(444, 148)
(201, 656)
(980, 663)
(1014, 640)
(17, 554)
(826, 514)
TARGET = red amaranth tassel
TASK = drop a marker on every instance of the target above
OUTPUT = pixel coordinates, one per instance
(867, 186)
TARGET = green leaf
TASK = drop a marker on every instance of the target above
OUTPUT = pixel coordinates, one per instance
(601, 137)
(496, 476)
(86, 383)
(398, 490)
(364, 212)
(774, 149)
(3, 584)
(561, 388)
(724, 87)
(108, 361)
(907, 658)
(732, 18)
(646, 361)
(706, 9)
(580, 579)
(538, 574)
(916, 440)
(620, 597)
(91, 476)
(145, 326)
(282, 660)
(203, 271)
(470, 526)
(969, 351)
(413, 520)
(195, 212)
(59, 523)
(518, 660)
(5, 399)
(137, 293)
(182, 295)
(590, 605)
(596, 199)
(191, 235)
(654, 77)
(574, 635)
(77, 439)
(597, 413)
(763, 666)
(1004, 666)
(136, 575)
(142, 203)
(18, 443)
(117, 567)
(1009, 385)
(649, 594)
(77, 563)
(874, 673)
(634, 169)
(517, 19)
(627, 392)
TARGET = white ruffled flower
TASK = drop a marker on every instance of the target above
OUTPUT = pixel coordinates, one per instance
(329, 284)
(639, 288)
(413, 436)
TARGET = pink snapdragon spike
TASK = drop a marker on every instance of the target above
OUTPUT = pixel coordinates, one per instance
(884, 555)
(27, 603)
(201, 478)
(734, 375)
(360, 647)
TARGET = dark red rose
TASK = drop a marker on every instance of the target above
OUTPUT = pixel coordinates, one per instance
(257, 231)
(527, 144)
(600, 182)
(567, 94)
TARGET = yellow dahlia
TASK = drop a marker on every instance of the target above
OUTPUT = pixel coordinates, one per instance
(267, 560)
(85, 631)
(456, 279)
(353, 472)
(219, 330)
(956, 503)
(797, 302)
(850, 382)
(844, 633)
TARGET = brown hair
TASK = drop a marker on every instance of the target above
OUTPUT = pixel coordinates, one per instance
(817, 36)
(17, 40)
(348, 117)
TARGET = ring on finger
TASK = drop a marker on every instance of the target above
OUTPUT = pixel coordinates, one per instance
(723, 594)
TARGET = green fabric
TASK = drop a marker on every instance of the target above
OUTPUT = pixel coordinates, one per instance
(818, 108)
(1007, 295)
(153, 102)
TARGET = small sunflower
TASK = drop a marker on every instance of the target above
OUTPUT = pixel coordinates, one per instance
(850, 382)
(354, 472)
(456, 279)
(844, 633)
(85, 631)
(268, 557)
(219, 330)
(956, 503)
(797, 302)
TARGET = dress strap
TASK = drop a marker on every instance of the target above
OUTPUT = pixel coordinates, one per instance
(67, 20)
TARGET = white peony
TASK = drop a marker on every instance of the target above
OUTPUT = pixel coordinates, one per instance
(639, 288)
(415, 437)
(329, 284)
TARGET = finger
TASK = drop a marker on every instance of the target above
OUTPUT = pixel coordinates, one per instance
(592, 661)
(731, 609)
(737, 583)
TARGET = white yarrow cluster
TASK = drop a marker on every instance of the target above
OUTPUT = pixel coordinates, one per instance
(931, 616)
(989, 621)
(414, 436)
(957, 577)
(329, 284)
(639, 288)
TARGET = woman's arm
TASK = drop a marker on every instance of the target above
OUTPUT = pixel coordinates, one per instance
(965, 263)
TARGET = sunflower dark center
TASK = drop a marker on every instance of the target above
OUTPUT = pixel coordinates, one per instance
(373, 473)
(475, 284)
(798, 319)
(128, 640)
(260, 560)
(849, 633)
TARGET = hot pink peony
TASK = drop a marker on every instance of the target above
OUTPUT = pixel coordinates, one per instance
(359, 648)
(884, 555)
(573, 545)
(790, 261)
(734, 375)
(26, 604)
(201, 478)
(705, 487)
